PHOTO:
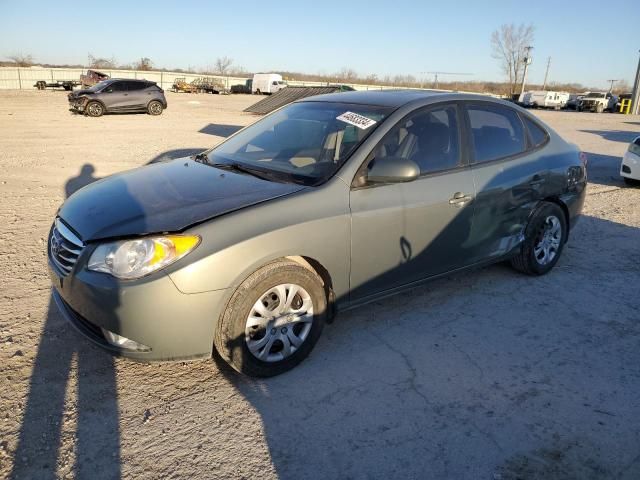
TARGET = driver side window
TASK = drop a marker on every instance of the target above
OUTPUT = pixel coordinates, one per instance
(429, 137)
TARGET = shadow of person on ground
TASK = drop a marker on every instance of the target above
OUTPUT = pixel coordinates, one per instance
(65, 358)
(84, 178)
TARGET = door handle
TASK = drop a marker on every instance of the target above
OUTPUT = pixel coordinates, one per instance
(460, 199)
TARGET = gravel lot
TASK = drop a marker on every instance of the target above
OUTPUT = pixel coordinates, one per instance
(482, 375)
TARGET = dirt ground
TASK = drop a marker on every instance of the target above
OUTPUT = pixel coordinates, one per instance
(482, 375)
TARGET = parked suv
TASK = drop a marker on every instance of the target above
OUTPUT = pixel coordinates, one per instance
(118, 95)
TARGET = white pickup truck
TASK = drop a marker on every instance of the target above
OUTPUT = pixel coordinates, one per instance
(598, 102)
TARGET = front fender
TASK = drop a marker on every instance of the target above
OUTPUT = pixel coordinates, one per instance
(313, 223)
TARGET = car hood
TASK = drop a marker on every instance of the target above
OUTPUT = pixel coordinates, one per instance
(77, 93)
(164, 197)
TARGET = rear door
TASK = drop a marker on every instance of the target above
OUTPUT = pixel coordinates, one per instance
(404, 232)
(138, 95)
(509, 175)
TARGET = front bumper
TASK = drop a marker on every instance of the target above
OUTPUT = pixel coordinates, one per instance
(630, 166)
(154, 313)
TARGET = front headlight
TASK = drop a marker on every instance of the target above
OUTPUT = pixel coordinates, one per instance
(128, 259)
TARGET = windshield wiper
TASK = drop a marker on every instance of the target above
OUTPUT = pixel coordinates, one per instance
(237, 167)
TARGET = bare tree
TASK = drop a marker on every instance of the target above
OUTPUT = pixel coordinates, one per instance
(145, 64)
(223, 64)
(21, 60)
(95, 62)
(509, 44)
(348, 74)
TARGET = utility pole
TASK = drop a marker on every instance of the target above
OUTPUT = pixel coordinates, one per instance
(611, 87)
(635, 97)
(546, 74)
(527, 61)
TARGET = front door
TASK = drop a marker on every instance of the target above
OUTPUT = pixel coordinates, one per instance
(404, 232)
(115, 96)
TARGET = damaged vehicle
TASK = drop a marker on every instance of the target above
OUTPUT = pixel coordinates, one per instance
(325, 205)
(119, 96)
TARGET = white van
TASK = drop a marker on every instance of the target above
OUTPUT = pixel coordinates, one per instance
(267, 83)
(545, 99)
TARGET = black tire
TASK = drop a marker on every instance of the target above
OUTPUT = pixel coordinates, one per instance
(631, 182)
(154, 108)
(526, 261)
(94, 109)
(229, 338)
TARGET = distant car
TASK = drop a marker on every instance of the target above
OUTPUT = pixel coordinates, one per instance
(573, 101)
(630, 166)
(118, 96)
(326, 204)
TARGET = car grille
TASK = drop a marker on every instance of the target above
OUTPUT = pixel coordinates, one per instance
(64, 247)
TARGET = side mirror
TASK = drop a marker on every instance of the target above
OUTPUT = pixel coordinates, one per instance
(392, 170)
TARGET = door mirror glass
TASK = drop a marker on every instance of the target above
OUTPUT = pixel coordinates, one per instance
(392, 170)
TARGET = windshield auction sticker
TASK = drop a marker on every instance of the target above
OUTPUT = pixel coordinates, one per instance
(356, 120)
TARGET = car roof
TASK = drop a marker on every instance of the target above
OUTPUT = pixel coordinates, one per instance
(396, 98)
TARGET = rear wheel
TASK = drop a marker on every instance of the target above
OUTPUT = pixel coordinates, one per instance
(545, 237)
(94, 109)
(273, 320)
(154, 107)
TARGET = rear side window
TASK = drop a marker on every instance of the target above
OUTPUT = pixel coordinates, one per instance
(133, 86)
(537, 135)
(497, 132)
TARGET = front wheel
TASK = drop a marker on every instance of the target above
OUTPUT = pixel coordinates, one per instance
(154, 108)
(273, 320)
(94, 109)
(545, 237)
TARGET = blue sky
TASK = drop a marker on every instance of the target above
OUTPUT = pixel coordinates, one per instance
(398, 37)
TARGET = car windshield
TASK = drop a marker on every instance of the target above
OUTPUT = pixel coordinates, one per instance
(98, 86)
(595, 95)
(305, 142)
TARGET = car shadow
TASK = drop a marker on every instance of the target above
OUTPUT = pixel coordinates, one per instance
(220, 130)
(467, 375)
(604, 169)
(622, 136)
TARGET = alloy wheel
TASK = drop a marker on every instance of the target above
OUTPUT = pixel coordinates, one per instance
(548, 240)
